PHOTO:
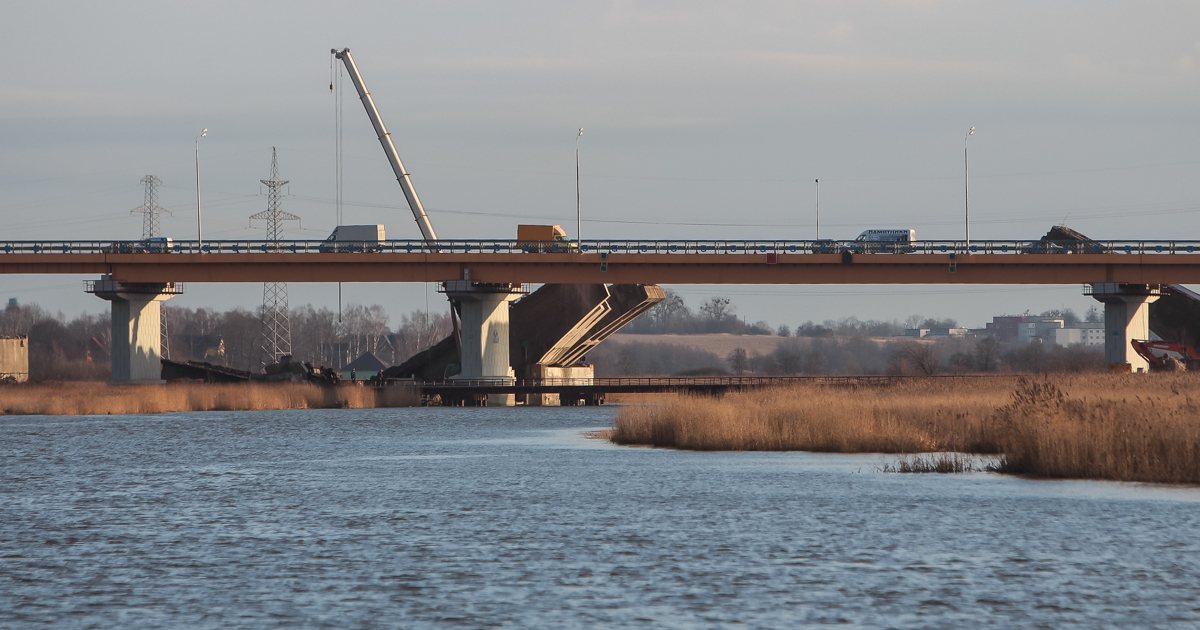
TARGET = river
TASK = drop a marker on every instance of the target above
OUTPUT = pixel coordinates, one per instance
(453, 517)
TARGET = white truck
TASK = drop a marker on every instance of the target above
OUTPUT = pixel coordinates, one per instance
(354, 238)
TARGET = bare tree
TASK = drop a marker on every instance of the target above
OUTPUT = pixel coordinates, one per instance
(789, 358)
(18, 320)
(669, 311)
(921, 356)
(420, 330)
(365, 329)
(985, 354)
(717, 309)
(814, 361)
(961, 362)
(314, 333)
(627, 362)
(738, 360)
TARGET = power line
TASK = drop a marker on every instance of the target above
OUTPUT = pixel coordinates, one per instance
(784, 180)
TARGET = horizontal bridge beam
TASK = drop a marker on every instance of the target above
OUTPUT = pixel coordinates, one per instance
(631, 268)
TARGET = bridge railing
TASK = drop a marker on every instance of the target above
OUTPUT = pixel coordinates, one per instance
(665, 381)
(623, 247)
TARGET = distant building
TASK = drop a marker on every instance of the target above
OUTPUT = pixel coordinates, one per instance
(364, 367)
(1034, 329)
(935, 333)
(1088, 334)
(1004, 327)
(946, 333)
(1038, 329)
(1047, 330)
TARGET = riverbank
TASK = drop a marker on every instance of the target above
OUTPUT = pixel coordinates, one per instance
(90, 398)
(1127, 428)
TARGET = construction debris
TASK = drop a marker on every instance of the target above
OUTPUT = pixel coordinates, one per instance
(283, 372)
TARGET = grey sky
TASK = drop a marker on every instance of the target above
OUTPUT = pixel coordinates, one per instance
(704, 120)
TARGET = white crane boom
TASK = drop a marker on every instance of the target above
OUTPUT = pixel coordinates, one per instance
(389, 149)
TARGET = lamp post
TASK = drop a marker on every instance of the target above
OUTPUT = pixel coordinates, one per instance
(199, 228)
(818, 208)
(578, 215)
(967, 189)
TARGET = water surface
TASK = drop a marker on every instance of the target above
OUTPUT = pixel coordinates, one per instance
(513, 518)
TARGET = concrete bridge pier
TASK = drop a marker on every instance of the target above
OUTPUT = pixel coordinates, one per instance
(1126, 317)
(136, 326)
(483, 311)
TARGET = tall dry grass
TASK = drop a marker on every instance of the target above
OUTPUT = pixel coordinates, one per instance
(83, 398)
(916, 416)
(1148, 433)
(1133, 427)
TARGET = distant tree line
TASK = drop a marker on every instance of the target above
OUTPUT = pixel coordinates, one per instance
(319, 335)
(848, 355)
(79, 348)
(718, 314)
(62, 348)
(672, 316)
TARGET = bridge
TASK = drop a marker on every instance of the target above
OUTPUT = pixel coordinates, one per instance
(611, 261)
(484, 275)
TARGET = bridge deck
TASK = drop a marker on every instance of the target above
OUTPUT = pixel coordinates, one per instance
(632, 262)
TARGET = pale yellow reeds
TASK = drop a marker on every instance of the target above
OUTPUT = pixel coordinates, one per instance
(1146, 433)
(910, 417)
(1134, 427)
(89, 398)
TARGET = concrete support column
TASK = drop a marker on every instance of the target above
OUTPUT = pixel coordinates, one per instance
(484, 317)
(136, 327)
(1126, 317)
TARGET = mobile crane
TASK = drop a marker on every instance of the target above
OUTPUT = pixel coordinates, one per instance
(389, 149)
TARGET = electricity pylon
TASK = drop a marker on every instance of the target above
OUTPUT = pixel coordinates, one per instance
(276, 323)
(150, 210)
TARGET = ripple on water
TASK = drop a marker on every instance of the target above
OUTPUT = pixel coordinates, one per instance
(480, 517)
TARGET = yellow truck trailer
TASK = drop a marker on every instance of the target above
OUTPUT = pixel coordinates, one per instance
(543, 238)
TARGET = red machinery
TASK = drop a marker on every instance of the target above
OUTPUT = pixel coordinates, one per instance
(1156, 353)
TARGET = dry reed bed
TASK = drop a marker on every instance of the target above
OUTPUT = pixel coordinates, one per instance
(1132, 428)
(69, 399)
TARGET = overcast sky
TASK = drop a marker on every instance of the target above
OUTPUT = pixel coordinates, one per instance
(703, 120)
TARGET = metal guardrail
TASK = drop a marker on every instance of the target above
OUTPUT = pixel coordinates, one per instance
(665, 247)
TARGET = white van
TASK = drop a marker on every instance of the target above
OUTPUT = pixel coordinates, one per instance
(885, 241)
(354, 238)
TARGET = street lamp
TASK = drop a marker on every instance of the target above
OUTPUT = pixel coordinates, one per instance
(818, 208)
(578, 215)
(199, 229)
(967, 188)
